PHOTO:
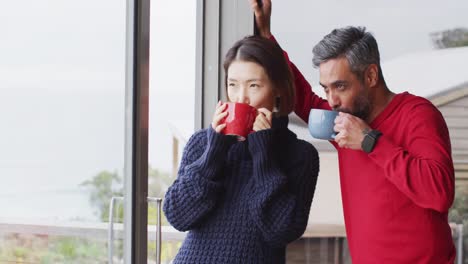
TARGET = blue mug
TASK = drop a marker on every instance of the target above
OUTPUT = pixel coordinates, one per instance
(321, 123)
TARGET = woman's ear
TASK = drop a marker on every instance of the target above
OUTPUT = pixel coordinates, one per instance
(277, 107)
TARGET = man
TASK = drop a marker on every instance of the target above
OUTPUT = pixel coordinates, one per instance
(396, 170)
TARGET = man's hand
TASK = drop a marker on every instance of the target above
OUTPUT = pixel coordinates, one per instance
(350, 131)
(262, 17)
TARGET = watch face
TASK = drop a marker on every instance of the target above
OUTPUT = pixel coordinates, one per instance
(368, 143)
(369, 140)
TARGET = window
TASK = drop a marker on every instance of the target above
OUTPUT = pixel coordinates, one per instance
(62, 144)
(171, 104)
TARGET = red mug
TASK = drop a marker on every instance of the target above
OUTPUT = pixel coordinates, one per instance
(240, 119)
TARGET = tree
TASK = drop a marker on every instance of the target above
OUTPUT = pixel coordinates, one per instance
(103, 187)
(451, 38)
(105, 184)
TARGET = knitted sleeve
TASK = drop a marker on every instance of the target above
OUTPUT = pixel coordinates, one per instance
(281, 196)
(194, 193)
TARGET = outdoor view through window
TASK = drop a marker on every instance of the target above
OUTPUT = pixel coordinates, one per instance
(62, 100)
(62, 82)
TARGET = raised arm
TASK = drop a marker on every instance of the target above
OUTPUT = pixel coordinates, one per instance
(283, 186)
(305, 97)
(262, 17)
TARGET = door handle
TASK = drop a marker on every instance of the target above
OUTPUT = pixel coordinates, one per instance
(158, 202)
(110, 237)
(110, 232)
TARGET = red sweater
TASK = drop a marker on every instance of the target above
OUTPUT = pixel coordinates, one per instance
(395, 199)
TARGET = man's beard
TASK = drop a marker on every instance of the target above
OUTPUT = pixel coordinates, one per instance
(361, 107)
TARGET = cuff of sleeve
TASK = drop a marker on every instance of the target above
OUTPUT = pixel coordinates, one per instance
(260, 147)
(272, 38)
(219, 143)
(214, 154)
(260, 142)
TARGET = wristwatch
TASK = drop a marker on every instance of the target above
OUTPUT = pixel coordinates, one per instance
(370, 139)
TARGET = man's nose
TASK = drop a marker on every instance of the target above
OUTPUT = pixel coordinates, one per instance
(333, 100)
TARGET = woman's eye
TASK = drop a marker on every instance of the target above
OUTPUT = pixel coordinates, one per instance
(254, 85)
(232, 86)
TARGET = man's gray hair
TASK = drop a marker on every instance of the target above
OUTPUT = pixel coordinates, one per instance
(358, 46)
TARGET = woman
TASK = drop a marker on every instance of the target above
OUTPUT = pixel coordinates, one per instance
(244, 201)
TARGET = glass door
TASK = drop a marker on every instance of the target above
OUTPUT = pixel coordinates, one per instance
(171, 109)
(70, 82)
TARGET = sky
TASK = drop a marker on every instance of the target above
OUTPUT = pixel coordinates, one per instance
(62, 103)
(62, 76)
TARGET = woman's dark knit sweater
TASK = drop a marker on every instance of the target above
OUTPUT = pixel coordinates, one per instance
(242, 202)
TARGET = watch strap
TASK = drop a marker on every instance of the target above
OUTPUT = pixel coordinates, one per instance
(370, 140)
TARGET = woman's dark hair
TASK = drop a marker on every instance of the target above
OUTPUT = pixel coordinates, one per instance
(269, 55)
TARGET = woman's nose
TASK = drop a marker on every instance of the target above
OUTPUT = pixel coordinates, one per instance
(243, 97)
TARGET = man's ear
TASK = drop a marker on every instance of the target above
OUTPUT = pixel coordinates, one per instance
(372, 75)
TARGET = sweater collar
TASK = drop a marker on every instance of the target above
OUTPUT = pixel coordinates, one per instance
(279, 122)
(394, 103)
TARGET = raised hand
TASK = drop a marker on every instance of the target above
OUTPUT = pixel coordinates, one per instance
(262, 16)
(263, 119)
(219, 114)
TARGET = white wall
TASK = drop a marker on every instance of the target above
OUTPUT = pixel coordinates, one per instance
(326, 205)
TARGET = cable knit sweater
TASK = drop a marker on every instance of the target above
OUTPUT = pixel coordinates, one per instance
(242, 202)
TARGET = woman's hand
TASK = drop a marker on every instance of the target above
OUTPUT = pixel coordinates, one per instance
(219, 114)
(263, 120)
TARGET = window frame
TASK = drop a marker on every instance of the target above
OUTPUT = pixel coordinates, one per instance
(136, 131)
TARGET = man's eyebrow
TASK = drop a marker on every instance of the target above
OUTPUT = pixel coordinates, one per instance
(335, 83)
(339, 82)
